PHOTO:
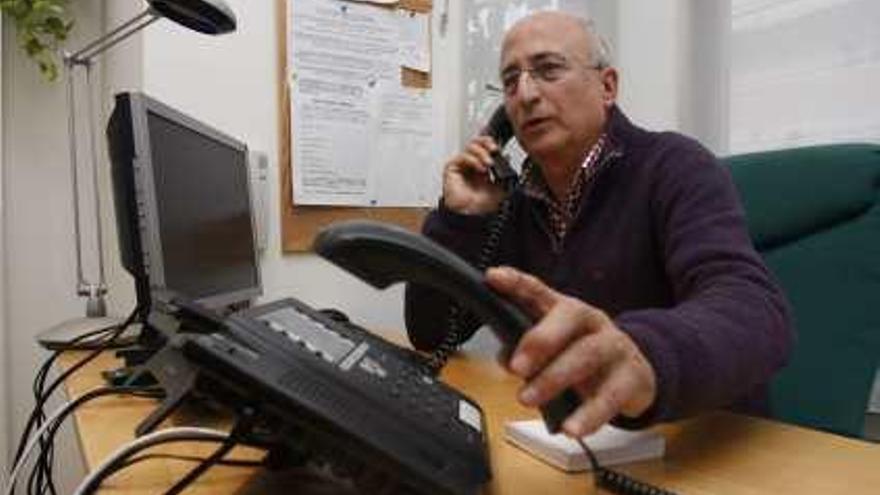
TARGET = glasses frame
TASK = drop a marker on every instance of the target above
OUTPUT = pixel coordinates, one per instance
(541, 74)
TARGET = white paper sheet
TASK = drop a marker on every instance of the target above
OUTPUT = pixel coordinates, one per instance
(358, 137)
(402, 157)
(340, 54)
(610, 445)
(377, 2)
(415, 40)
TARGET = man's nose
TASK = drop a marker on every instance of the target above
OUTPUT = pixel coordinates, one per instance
(526, 91)
(527, 88)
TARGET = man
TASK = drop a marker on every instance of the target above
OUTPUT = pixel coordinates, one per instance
(660, 306)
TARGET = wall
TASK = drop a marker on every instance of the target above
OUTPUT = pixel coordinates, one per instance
(672, 60)
(707, 99)
(4, 349)
(804, 73)
(39, 274)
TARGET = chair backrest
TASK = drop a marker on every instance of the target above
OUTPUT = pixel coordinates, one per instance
(814, 215)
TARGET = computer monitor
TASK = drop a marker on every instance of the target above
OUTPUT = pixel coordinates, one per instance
(183, 206)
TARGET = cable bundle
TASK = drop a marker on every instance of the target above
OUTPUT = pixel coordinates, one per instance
(45, 428)
(40, 480)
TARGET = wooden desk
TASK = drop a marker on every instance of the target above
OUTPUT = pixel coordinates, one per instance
(714, 454)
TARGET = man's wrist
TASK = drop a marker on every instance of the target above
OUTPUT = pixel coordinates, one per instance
(461, 218)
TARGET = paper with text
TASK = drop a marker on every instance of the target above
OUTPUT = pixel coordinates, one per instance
(415, 40)
(377, 2)
(358, 138)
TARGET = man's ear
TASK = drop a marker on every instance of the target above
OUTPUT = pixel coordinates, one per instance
(609, 79)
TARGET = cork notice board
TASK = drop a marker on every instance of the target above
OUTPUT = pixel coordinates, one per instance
(300, 224)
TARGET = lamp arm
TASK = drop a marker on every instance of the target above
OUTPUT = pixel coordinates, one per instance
(83, 57)
(93, 146)
(74, 174)
(85, 54)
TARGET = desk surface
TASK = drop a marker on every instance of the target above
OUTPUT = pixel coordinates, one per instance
(716, 453)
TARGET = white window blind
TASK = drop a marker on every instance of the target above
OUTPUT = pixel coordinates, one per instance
(804, 72)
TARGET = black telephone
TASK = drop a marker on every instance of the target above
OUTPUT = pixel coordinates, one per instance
(383, 254)
(323, 389)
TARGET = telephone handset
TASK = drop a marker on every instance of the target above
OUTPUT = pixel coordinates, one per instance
(383, 254)
(500, 129)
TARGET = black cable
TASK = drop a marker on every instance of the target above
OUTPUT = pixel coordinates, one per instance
(238, 431)
(45, 482)
(41, 395)
(73, 405)
(617, 482)
(42, 475)
(454, 321)
(96, 483)
(44, 478)
(35, 420)
(38, 386)
(48, 431)
(185, 458)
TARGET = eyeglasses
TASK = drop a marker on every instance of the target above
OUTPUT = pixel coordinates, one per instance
(545, 71)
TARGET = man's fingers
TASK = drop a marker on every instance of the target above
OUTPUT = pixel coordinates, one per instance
(619, 387)
(549, 338)
(561, 319)
(523, 290)
(467, 163)
(582, 361)
(481, 148)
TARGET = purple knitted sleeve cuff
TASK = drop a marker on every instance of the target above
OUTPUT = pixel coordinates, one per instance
(664, 361)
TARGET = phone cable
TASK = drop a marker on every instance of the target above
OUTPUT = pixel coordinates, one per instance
(489, 250)
(617, 482)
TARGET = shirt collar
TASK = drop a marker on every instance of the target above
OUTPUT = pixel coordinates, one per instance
(535, 185)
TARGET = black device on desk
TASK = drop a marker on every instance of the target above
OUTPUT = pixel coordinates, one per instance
(383, 254)
(333, 392)
(183, 205)
(175, 233)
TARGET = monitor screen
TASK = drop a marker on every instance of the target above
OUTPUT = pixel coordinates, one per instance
(182, 189)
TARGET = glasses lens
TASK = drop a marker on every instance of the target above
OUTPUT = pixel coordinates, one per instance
(510, 79)
(549, 71)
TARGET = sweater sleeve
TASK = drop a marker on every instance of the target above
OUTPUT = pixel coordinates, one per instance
(426, 311)
(729, 329)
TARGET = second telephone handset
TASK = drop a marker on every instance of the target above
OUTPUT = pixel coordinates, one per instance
(383, 254)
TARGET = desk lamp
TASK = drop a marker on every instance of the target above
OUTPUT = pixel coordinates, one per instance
(205, 16)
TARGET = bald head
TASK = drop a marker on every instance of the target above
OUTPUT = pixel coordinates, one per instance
(581, 34)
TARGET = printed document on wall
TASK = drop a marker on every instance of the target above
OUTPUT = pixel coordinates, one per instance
(403, 150)
(415, 41)
(347, 106)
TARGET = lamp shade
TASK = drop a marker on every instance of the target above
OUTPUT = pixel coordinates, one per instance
(204, 16)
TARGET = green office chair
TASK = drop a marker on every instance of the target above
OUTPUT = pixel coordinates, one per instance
(814, 215)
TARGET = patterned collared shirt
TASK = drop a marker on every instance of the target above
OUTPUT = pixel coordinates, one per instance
(561, 213)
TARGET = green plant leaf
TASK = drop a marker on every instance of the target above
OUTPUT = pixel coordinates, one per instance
(42, 27)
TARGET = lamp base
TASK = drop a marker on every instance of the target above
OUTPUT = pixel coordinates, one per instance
(60, 336)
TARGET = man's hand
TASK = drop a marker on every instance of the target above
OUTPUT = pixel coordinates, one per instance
(574, 345)
(466, 186)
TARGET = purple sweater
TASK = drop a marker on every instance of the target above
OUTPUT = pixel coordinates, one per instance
(660, 243)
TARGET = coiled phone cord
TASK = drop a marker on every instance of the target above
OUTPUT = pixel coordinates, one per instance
(440, 356)
(617, 482)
